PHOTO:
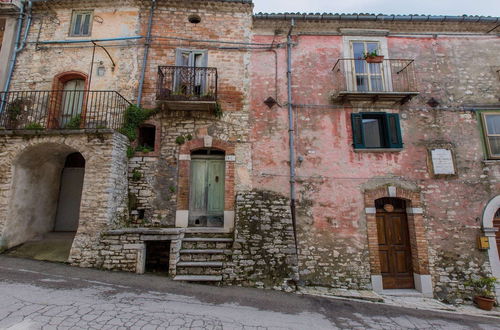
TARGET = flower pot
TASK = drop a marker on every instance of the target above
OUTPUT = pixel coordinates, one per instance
(484, 303)
(374, 59)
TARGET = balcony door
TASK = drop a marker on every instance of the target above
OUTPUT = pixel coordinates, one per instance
(72, 102)
(191, 76)
(369, 77)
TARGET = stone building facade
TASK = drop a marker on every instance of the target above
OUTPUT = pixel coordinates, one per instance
(394, 161)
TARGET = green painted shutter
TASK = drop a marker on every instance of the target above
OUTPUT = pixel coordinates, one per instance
(394, 131)
(216, 169)
(357, 130)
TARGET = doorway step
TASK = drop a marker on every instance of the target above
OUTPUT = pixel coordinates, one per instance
(202, 257)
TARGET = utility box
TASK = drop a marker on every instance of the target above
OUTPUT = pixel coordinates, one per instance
(483, 243)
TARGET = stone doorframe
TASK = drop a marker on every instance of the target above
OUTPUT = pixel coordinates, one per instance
(419, 247)
(489, 231)
(182, 213)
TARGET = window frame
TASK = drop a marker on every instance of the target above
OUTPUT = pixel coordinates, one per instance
(390, 142)
(486, 135)
(73, 22)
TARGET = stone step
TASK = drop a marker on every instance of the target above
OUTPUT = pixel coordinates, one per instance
(198, 278)
(202, 251)
(207, 239)
(199, 264)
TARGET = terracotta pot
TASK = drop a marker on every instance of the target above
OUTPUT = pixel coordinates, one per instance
(374, 59)
(484, 303)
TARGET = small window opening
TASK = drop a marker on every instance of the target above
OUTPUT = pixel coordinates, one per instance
(195, 19)
(208, 152)
(75, 160)
(141, 214)
(157, 257)
(147, 137)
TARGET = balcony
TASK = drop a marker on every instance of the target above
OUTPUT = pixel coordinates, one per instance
(62, 109)
(9, 6)
(185, 88)
(392, 80)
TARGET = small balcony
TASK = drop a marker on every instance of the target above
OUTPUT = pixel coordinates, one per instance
(184, 88)
(62, 109)
(391, 80)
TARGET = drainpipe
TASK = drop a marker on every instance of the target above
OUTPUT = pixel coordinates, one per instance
(20, 20)
(146, 52)
(291, 132)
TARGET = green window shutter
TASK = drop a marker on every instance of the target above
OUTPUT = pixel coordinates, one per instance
(86, 24)
(357, 131)
(394, 131)
(77, 24)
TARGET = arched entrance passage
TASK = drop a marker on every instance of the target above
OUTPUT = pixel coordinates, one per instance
(37, 188)
(491, 226)
(403, 203)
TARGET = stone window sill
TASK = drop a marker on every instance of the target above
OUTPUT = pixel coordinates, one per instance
(491, 161)
(379, 150)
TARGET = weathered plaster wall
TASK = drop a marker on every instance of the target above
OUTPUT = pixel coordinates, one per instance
(332, 177)
(37, 65)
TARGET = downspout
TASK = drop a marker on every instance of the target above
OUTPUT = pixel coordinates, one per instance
(291, 132)
(146, 52)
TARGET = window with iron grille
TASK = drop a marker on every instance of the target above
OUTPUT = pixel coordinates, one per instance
(376, 130)
(491, 130)
(81, 23)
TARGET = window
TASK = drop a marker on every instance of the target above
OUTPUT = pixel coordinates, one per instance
(147, 136)
(368, 76)
(192, 77)
(372, 130)
(81, 23)
(491, 128)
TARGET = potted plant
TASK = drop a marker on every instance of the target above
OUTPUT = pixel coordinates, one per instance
(373, 57)
(483, 288)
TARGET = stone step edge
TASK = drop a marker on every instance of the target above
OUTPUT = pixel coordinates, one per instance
(202, 251)
(199, 264)
(198, 278)
(207, 239)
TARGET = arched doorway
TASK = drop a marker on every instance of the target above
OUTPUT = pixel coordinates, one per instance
(491, 228)
(206, 192)
(45, 199)
(394, 245)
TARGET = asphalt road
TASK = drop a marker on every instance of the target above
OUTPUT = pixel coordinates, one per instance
(41, 295)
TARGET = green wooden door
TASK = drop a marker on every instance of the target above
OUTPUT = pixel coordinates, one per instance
(206, 199)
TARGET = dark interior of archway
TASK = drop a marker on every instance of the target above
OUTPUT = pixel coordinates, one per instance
(75, 160)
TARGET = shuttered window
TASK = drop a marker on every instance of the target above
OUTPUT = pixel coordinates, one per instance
(81, 23)
(491, 129)
(376, 130)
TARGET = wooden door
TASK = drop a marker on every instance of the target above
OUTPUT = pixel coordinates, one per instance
(206, 198)
(394, 251)
(496, 224)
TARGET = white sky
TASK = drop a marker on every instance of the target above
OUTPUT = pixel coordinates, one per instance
(431, 7)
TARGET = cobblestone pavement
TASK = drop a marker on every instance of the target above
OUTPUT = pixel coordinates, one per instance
(37, 295)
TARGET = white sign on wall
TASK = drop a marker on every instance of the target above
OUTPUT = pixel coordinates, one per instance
(442, 161)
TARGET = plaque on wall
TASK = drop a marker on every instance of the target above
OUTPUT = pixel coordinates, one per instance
(442, 162)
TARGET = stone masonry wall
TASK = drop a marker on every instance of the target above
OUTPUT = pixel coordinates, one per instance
(264, 249)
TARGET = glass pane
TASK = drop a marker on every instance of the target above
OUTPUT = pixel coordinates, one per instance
(375, 68)
(493, 123)
(372, 46)
(494, 145)
(371, 130)
(362, 83)
(185, 59)
(360, 66)
(78, 24)
(376, 82)
(358, 49)
(393, 130)
(86, 24)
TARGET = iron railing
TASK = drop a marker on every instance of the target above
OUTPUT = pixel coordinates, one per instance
(62, 109)
(390, 75)
(184, 83)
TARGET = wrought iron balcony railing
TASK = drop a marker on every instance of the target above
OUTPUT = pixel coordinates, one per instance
(393, 77)
(62, 109)
(184, 83)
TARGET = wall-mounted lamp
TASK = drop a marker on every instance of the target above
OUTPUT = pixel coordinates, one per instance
(101, 69)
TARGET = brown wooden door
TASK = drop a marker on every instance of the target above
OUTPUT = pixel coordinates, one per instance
(394, 251)
(496, 224)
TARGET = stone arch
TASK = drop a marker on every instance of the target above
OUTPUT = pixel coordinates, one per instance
(35, 183)
(185, 150)
(419, 247)
(489, 230)
(56, 97)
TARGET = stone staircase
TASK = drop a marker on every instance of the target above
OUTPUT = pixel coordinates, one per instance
(202, 257)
